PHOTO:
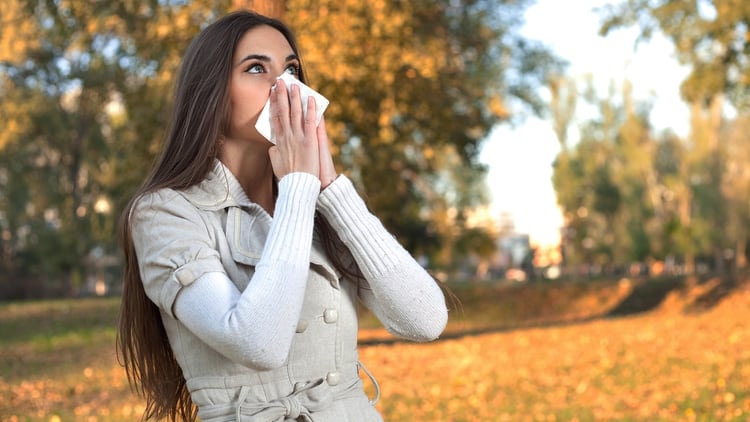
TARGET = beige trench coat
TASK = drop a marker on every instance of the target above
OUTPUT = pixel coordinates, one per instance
(320, 381)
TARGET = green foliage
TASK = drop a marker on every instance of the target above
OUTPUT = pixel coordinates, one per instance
(711, 36)
(660, 196)
(416, 88)
(85, 90)
(608, 186)
(631, 195)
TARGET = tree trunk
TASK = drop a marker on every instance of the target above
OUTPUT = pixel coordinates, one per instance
(740, 253)
(685, 208)
(271, 8)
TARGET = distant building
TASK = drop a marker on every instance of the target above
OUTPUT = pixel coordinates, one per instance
(514, 247)
(512, 250)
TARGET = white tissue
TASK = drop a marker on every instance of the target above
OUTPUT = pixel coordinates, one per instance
(263, 125)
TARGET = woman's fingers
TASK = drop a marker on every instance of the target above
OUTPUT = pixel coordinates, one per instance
(311, 132)
(279, 109)
(296, 147)
(295, 112)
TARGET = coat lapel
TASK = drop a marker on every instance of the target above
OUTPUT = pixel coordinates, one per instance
(247, 224)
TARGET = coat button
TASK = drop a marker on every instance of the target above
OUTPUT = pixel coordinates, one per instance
(330, 316)
(184, 276)
(333, 378)
(302, 325)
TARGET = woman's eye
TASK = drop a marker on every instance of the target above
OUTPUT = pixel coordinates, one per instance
(292, 70)
(256, 68)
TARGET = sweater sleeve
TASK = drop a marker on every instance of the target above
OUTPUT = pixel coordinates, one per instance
(406, 299)
(255, 327)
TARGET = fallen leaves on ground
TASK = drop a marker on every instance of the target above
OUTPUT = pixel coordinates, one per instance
(668, 364)
(665, 365)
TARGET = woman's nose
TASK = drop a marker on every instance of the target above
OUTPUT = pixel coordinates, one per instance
(272, 78)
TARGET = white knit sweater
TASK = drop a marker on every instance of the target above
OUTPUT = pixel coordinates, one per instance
(255, 327)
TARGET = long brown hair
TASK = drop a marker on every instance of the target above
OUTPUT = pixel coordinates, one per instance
(200, 116)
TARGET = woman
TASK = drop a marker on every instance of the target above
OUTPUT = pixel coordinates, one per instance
(244, 260)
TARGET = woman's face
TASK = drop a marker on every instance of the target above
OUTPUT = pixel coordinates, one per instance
(262, 54)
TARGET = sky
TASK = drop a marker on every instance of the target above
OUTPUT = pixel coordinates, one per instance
(520, 159)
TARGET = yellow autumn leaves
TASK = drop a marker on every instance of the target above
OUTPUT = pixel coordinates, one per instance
(666, 365)
(674, 363)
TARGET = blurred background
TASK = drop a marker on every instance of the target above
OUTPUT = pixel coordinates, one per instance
(576, 173)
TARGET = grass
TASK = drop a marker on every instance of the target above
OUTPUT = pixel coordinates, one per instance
(524, 352)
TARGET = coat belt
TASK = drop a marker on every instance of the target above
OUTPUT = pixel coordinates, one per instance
(303, 402)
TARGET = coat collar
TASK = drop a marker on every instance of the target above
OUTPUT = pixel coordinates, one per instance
(218, 190)
(247, 223)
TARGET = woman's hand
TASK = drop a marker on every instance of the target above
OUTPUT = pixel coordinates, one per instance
(327, 169)
(297, 143)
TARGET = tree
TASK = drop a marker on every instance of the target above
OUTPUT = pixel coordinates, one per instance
(606, 185)
(564, 98)
(59, 152)
(712, 37)
(273, 8)
(415, 89)
(85, 102)
(736, 188)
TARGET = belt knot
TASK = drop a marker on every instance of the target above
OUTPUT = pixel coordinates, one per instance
(304, 400)
(292, 407)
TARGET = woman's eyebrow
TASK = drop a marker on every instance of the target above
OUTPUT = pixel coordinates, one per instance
(260, 57)
(264, 58)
